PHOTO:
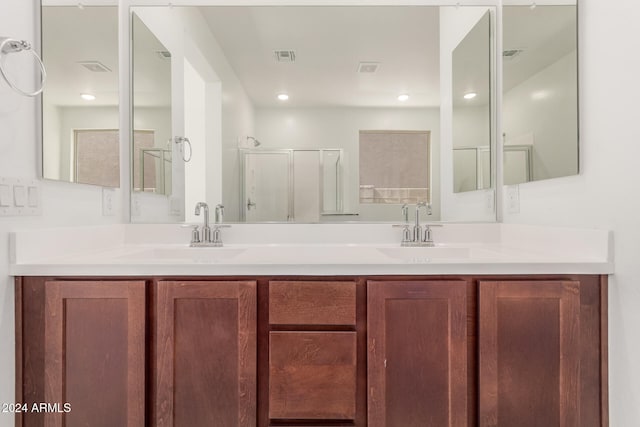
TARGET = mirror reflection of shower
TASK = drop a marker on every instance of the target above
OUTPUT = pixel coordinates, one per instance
(287, 184)
(253, 141)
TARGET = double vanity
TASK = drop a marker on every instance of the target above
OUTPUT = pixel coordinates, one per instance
(496, 324)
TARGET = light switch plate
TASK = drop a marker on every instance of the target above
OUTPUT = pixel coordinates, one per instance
(19, 195)
(6, 199)
(33, 196)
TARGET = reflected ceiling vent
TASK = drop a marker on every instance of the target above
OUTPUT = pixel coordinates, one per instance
(163, 54)
(95, 66)
(368, 67)
(285, 56)
(511, 53)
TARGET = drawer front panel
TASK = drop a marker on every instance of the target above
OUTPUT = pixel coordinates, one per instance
(312, 375)
(312, 303)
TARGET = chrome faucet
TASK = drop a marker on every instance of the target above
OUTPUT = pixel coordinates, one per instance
(210, 237)
(417, 229)
(406, 233)
(206, 230)
(217, 235)
(416, 237)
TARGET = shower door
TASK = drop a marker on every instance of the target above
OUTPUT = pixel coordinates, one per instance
(267, 180)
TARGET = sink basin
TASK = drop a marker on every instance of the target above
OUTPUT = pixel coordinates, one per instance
(312, 254)
(426, 254)
(184, 254)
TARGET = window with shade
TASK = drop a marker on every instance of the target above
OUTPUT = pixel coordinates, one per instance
(395, 166)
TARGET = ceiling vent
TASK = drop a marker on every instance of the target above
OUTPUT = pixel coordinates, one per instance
(285, 56)
(95, 66)
(163, 54)
(368, 67)
(511, 53)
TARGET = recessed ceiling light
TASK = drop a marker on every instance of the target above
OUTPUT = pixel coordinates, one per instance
(403, 97)
(470, 95)
(87, 96)
(283, 97)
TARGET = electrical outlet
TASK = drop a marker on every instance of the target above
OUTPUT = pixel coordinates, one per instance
(513, 198)
(108, 202)
(135, 206)
(175, 206)
(489, 201)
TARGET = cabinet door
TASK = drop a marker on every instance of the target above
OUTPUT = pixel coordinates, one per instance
(529, 353)
(205, 354)
(417, 359)
(312, 375)
(94, 353)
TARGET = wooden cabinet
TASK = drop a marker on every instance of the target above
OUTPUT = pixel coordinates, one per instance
(417, 360)
(204, 354)
(312, 303)
(537, 361)
(314, 351)
(82, 343)
(312, 375)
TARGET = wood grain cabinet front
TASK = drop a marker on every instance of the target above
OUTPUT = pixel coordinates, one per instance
(539, 357)
(312, 375)
(312, 303)
(417, 359)
(204, 355)
(407, 351)
(83, 344)
(312, 353)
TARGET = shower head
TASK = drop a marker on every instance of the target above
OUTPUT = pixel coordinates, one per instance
(255, 141)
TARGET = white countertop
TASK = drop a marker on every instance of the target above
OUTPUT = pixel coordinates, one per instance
(309, 249)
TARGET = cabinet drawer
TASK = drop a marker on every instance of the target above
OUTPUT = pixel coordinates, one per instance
(312, 375)
(312, 303)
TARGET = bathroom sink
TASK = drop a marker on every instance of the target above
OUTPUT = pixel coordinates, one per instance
(426, 254)
(312, 254)
(184, 254)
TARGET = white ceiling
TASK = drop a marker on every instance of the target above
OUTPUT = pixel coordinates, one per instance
(70, 35)
(151, 71)
(471, 66)
(545, 34)
(329, 42)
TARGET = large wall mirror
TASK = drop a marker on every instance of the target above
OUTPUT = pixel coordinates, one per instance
(152, 158)
(305, 114)
(540, 91)
(80, 126)
(471, 95)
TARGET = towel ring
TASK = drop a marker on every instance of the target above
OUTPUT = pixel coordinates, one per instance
(182, 141)
(9, 45)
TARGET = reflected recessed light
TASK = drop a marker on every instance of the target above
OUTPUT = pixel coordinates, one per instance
(283, 97)
(87, 96)
(403, 97)
(470, 95)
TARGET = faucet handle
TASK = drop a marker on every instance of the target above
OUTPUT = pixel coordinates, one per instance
(195, 233)
(216, 235)
(405, 212)
(427, 239)
(219, 214)
(406, 233)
